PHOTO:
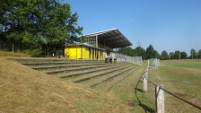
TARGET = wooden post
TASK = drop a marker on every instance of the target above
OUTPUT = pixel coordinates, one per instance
(160, 106)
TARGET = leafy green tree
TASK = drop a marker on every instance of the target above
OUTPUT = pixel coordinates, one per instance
(29, 24)
(151, 53)
(164, 55)
(139, 51)
(177, 54)
(183, 55)
(193, 54)
(127, 51)
(171, 54)
(199, 54)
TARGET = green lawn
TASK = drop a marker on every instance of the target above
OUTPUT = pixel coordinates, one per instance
(196, 65)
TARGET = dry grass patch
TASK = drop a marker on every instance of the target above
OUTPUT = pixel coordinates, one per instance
(25, 90)
(12, 54)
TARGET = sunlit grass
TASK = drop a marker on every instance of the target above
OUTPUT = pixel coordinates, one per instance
(196, 65)
(181, 78)
(12, 54)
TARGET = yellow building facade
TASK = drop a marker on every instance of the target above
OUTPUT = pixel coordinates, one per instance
(82, 51)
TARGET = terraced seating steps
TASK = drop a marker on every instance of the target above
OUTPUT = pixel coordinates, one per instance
(101, 73)
(127, 70)
(53, 67)
(86, 72)
(91, 71)
(71, 69)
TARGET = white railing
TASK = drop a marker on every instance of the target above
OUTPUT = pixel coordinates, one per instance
(131, 59)
(153, 63)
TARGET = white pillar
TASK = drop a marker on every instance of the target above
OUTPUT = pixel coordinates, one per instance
(160, 106)
(144, 83)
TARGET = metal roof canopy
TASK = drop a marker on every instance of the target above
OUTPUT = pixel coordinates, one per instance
(112, 37)
(85, 45)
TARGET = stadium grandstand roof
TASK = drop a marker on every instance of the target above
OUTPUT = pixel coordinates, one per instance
(112, 37)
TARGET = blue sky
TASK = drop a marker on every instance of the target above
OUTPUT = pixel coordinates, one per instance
(166, 24)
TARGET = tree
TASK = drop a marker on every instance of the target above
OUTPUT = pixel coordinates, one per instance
(183, 55)
(127, 51)
(151, 53)
(177, 54)
(139, 51)
(171, 55)
(31, 23)
(199, 54)
(164, 55)
(193, 54)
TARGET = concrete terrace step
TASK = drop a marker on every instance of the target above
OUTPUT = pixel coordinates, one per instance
(72, 69)
(100, 73)
(109, 83)
(110, 76)
(52, 60)
(51, 67)
(42, 62)
(90, 71)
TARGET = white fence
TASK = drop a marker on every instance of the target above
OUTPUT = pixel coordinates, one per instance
(125, 58)
(153, 63)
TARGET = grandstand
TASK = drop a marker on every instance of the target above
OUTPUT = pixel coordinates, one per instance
(95, 44)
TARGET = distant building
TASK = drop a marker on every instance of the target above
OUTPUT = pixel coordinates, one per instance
(95, 44)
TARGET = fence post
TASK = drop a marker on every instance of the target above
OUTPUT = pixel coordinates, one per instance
(145, 83)
(159, 93)
(145, 77)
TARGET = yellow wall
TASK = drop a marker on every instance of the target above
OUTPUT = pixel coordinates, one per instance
(82, 52)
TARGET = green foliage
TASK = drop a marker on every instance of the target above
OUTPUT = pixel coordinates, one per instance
(183, 55)
(151, 52)
(139, 51)
(194, 54)
(164, 55)
(32, 22)
(199, 54)
(34, 52)
(127, 51)
(171, 54)
(177, 54)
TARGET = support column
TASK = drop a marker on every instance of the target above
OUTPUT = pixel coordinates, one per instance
(96, 40)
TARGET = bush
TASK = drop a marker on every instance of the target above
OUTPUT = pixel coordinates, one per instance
(34, 52)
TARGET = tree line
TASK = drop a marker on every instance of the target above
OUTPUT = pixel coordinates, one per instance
(150, 52)
(32, 25)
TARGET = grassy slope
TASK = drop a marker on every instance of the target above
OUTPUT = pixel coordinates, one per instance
(25, 90)
(181, 78)
(11, 54)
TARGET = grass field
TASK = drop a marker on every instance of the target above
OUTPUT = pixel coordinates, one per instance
(183, 78)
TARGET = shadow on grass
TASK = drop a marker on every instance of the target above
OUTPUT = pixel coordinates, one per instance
(145, 107)
(137, 89)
